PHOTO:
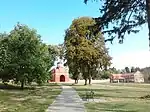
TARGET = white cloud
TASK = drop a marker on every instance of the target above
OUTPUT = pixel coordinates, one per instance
(138, 59)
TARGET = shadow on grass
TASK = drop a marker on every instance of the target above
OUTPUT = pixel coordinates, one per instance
(83, 96)
(31, 87)
(50, 84)
(110, 107)
(99, 90)
(99, 93)
(109, 90)
(118, 108)
(14, 87)
(36, 98)
(109, 96)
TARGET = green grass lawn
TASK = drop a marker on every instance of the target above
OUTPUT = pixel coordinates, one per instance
(35, 99)
(118, 97)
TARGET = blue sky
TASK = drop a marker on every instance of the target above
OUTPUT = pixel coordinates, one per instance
(52, 17)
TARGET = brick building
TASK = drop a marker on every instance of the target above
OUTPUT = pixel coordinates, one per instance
(60, 74)
(127, 77)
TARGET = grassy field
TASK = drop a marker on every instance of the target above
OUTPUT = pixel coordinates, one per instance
(35, 99)
(117, 97)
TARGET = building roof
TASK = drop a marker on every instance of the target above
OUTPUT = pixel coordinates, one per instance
(121, 76)
(124, 75)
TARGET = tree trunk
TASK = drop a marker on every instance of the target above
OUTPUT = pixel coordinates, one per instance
(90, 79)
(85, 82)
(89, 75)
(22, 84)
(75, 81)
(148, 17)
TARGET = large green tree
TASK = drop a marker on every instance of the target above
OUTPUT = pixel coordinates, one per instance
(25, 57)
(124, 16)
(85, 52)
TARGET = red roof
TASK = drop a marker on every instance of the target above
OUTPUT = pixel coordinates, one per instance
(121, 76)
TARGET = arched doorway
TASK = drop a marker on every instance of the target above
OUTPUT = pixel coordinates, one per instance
(62, 78)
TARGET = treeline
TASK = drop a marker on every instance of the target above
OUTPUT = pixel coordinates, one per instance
(145, 71)
(130, 70)
(24, 58)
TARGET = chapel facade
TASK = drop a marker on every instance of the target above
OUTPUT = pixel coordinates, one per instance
(60, 74)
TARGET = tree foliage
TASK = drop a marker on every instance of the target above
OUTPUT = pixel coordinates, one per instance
(146, 72)
(25, 58)
(125, 16)
(4, 58)
(85, 52)
(56, 51)
(127, 70)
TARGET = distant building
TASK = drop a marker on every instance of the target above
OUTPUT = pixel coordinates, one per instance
(136, 77)
(60, 74)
